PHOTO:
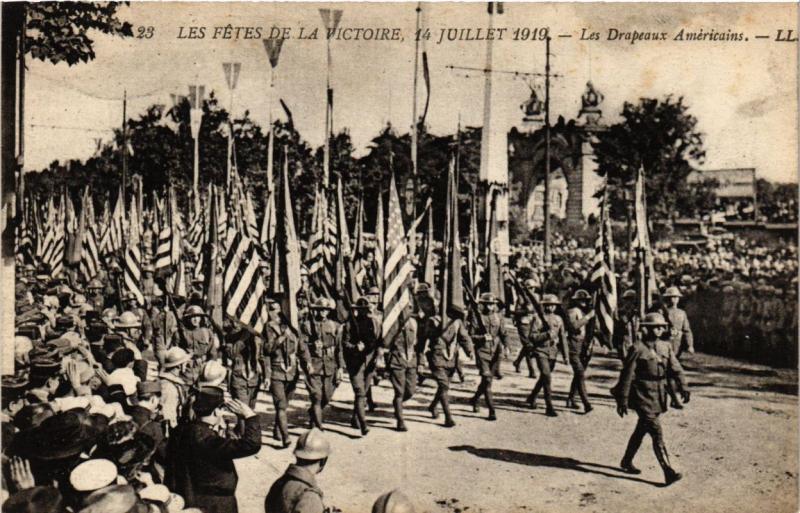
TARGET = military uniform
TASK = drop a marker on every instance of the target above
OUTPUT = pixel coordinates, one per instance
(402, 363)
(488, 353)
(442, 356)
(201, 343)
(545, 344)
(364, 330)
(244, 353)
(643, 388)
(576, 330)
(324, 358)
(282, 352)
(681, 336)
(296, 491)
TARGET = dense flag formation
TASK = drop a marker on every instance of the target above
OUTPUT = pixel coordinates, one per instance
(398, 268)
(645, 270)
(603, 278)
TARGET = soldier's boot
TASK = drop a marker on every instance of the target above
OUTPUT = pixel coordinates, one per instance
(518, 361)
(361, 415)
(476, 397)
(490, 401)
(460, 373)
(432, 408)
(548, 401)
(398, 413)
(670, 474)
(535, 393)
(275, 434)
(316, 416)
(630, 452)
(531, 368)
(571, 397)
(448, 418)
(282, 423)
(370, 401)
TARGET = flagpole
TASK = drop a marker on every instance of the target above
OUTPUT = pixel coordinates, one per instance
(271, 141)
(124, 143)
(326, 162)
(414, 132)
(547, 256)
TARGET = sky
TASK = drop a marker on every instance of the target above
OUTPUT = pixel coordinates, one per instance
(744, 94)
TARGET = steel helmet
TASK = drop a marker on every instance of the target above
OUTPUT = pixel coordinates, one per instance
(531, 283)
(393, 502)
(653, 319)
(312, 445)
(94, 284)
(672, 292)
(128, 319)
(629, 294)
(488, 297)
(193, 311)
(581, 295)
(550, 299)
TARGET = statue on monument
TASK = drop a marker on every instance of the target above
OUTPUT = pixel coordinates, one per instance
(590, 104)
(533, 107)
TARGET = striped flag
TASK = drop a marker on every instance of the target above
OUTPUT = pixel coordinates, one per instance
(266, 233)
(113, 238)
(132, 262)
(196, 232)
(380, 242)
(319, 253)
(24, 241)
(168, 250)
(54, 248)
(358, 250)
(344, 283)
(90, 253)
(645, 271)
(285, 280)
(212, 286)
(243, 285)
(603, 278)
(397, 270)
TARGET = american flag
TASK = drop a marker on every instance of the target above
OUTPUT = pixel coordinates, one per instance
(90, 254)
(397, 270)
(321, 245)
(603, 278)
(132, 264)
(112, 239)
(244, 288)
(55, 244)
(168, 251)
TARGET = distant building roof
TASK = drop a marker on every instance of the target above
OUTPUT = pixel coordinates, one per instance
(733, 183)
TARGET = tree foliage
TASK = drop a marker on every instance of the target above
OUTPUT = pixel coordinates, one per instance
(660, 136)
(59, 31)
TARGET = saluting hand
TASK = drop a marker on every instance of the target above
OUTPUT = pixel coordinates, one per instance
(240, 409)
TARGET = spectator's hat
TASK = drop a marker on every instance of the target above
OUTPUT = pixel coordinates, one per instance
(176, 356)
(654, 319)
(208, 400)
(144, 388)
(213, 375)
(581, 295)
(127, 320)
(93, 474)
(114, 499)
(362, 303)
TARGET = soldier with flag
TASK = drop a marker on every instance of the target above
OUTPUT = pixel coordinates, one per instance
(442, 354)
(546, 338)
(360, 342)
(322, 362)
(578, 316)
(490, 345)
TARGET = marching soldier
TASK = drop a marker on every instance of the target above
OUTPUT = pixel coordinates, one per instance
(642, 386)
(403, 360)
(282, 351)
(577, 318)
(546, 339)
(323, 362)
(522, 319)
(131, 304)
(197, 339)
(443, 351)
(244, 355)
(489, 349)
(426, 310)
(680, 335)
(297, 491)
(360, 348)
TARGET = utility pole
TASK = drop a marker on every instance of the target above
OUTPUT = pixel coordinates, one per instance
(547, 250)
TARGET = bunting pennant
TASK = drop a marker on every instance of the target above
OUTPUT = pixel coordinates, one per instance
(397, 270)
(603, 278)
(273, 48)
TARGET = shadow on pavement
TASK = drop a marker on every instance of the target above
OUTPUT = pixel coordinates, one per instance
(543, 460)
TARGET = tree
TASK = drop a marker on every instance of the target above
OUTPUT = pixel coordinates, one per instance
(59, 31)
(661, 137)
(777, 202)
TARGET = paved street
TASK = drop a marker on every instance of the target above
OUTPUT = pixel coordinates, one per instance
(736, 443)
